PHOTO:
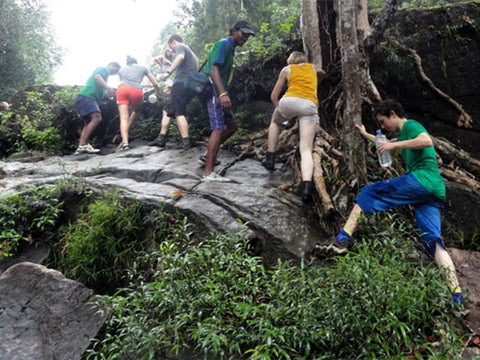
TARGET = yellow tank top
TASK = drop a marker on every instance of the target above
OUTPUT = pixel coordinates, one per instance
(302, 82)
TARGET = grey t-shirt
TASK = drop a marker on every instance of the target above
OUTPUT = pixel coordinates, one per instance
(189, 63)
(133, 75)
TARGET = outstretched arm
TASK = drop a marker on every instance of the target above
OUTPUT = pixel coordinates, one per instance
(101, 81)
(153, 81)
(364, 132)
(423, 140)
(176, 63)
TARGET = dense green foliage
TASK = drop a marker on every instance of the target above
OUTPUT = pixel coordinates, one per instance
(28, 217)
(28, 52)
(214, 297)
(202, 23)
(102, 242)
(37, 122)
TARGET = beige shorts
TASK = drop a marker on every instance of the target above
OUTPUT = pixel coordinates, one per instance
(290, 107)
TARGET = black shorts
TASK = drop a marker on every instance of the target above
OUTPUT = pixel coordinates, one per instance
(180, 97)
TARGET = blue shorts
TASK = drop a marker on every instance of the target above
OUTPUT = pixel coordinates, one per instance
(218, 116)
(86, 105)
(406, 190)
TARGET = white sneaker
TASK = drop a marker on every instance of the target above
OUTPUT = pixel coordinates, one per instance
(215, 177)
(86, 149)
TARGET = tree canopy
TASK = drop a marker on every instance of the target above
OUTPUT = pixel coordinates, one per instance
(203, 22)
(28, 51)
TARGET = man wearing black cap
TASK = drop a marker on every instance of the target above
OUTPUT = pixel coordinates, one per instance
(219, 67)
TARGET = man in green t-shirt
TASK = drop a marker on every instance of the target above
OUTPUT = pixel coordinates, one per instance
(422, 186)
(222, 123)
(87, 104)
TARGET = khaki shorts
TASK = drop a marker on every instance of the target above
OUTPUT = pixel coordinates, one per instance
(290, 107)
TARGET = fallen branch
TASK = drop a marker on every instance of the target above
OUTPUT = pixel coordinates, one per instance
(459, 177)
(452, 153)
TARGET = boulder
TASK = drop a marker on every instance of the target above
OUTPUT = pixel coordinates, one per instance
(45, 316)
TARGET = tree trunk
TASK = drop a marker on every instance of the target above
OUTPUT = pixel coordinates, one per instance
(352, 113)
(309, 24)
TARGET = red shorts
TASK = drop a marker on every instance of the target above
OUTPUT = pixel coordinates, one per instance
(129, 95)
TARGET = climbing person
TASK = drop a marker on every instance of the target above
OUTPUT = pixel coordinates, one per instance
(422, 187)
(130, 96)
(222, 123)
(301, 101)
(87, 101)
(184, 62)
(165, 61)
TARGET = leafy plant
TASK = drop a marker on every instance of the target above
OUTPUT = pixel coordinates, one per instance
(30, 126)
(27, 217)
(102, 243)
(379, 301)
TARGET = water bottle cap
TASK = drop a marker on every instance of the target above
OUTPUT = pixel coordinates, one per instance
(379, 132)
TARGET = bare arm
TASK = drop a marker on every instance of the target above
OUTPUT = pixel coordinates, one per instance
(277, 89)
(176, 63)
(100, 81)
(153, 81)
(423, 140)
(163, 62)
(364, 132)
(217, 81)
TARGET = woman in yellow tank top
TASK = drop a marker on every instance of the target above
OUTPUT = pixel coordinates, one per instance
(299, 101)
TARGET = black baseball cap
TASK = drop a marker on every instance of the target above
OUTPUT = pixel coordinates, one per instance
(243, 26)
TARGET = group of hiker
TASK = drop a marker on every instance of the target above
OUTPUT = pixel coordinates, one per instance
(422, 186)
(181, 61)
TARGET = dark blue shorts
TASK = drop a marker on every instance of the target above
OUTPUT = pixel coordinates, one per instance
(406, 190)
(218, 116)
(86, 105)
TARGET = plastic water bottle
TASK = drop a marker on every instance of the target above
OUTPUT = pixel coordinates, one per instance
(384, 159)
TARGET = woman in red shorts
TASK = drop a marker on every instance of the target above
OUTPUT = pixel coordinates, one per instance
(130, 95)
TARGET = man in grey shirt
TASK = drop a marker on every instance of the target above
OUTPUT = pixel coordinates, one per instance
(184, 62)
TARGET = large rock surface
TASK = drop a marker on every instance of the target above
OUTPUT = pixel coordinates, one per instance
(277, 220)
(44, 315)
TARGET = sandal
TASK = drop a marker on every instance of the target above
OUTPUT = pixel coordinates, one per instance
(124, 147)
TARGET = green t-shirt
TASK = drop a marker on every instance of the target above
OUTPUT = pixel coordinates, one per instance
(422, 163)
(91, 88)
(222, 54)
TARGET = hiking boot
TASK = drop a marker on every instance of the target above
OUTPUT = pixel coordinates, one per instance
(160, 141)
(215, 177)
(86, 149)
(185, 144)
(202, 161)
(269, 162)
(307, 191)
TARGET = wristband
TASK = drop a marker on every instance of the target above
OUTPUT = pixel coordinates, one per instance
(223, 94)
